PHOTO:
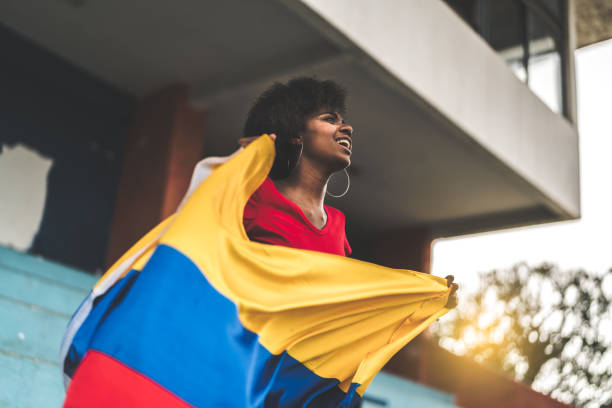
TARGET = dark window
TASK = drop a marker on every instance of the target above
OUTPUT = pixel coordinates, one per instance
(545, 58)
(554, 7)
(530, 37)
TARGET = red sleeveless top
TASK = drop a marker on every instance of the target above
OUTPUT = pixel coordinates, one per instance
(271, 218)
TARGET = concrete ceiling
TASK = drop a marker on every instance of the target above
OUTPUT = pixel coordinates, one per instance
(407, 169)
(141, 45)
(410, 169)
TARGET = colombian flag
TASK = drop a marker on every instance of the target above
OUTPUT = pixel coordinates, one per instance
(195, 314)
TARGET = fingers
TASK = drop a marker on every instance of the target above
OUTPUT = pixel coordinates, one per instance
(452, 297)
(450, 284)
(245, 141)
(451, 303)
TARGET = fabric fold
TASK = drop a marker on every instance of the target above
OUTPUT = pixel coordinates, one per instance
(299, 327)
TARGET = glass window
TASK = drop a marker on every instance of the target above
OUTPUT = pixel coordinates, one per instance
(554, 7)
(528, 35)
(467, 10)
(502, 24)
(507, 34)
(544, 65)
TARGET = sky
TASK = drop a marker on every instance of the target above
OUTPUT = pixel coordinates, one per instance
(585, 243)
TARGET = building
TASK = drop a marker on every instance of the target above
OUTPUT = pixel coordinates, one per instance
(122, 99)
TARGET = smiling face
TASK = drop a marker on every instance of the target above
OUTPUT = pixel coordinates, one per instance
(327, 141)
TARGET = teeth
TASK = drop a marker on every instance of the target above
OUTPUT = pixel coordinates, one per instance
(345, 143)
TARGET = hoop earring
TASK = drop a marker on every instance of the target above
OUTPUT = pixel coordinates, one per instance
(348, 185)
(289, 168)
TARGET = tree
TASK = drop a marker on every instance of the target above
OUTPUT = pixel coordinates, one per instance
(549, 328)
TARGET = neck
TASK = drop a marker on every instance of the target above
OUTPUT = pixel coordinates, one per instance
(306, 186)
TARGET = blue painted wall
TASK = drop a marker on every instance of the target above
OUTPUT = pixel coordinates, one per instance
(391, 391)
(37, 298)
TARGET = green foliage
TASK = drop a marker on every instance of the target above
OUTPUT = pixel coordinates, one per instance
(549, 328)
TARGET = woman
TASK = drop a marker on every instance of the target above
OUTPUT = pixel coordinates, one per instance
(313, 141)
(195, 315)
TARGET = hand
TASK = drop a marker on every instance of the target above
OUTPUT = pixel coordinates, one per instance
(452, 298)
(245, 141)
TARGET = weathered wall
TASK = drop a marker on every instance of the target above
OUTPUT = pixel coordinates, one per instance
(77, 122)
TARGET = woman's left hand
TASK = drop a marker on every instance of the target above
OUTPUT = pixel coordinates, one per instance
(245, 141)
(452, 298)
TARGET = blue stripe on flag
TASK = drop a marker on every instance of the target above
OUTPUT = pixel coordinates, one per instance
(102, 306)
(170, 324)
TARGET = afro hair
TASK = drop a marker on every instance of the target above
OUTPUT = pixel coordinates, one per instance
(283, 109)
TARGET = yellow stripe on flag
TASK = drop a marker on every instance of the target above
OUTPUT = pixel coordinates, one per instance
(342, 318)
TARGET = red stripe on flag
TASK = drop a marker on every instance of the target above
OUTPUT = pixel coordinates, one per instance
(102, 381)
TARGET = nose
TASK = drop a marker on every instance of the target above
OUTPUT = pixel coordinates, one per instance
(346, 128)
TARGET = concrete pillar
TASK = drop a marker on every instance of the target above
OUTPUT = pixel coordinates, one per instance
(405, 248)
(164, 143)
(408, 248)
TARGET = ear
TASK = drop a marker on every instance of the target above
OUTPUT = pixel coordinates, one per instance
(297, 140)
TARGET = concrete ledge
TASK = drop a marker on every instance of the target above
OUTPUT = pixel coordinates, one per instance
(429, 49)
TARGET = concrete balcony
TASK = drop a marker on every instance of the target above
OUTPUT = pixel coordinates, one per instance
(453, 141)
(446, 138)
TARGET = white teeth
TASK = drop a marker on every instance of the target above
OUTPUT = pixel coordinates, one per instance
(344, 142)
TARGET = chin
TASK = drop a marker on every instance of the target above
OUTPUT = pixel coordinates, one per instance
(342, 163)
(336, 162)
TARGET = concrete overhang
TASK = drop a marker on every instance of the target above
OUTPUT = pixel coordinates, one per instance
(446, 138)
